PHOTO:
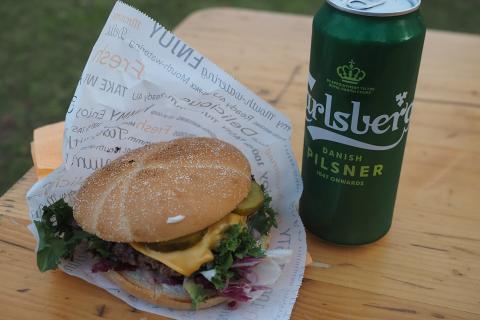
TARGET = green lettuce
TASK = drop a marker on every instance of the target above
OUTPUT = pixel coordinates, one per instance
(59, 236)
(237, 243)
(195, 291)
(265, 218)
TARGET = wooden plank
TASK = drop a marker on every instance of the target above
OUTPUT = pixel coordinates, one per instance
(14, 232)
(449, 126)
(320, 300)
(450, 69)
(407, 265)
(13, 202)
(440, 175)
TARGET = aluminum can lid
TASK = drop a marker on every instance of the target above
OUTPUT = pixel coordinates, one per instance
(379, 8)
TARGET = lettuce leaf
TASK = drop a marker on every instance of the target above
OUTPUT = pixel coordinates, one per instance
(195, 291)
(59, 235)
(265, 218)
(57, 238)
(237, 243)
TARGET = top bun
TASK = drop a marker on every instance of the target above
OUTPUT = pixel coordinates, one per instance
(131, 198)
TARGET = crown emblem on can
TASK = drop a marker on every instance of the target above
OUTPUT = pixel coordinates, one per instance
(351, 74)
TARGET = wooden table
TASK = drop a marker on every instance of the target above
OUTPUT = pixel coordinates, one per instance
(427, 267)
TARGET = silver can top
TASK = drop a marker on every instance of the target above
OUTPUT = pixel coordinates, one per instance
(379, 8)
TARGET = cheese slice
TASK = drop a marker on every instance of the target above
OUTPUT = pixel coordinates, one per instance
(189, 260)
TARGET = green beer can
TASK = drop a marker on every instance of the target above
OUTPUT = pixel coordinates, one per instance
(364, 63)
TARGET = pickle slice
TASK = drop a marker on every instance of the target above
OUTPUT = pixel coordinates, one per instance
(252, 202)
(177, 244)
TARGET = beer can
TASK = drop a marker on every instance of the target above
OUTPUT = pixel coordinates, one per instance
(364, 63)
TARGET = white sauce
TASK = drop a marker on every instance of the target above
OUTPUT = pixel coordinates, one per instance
(175, 219)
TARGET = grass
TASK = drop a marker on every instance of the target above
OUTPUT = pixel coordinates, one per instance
(44, 45)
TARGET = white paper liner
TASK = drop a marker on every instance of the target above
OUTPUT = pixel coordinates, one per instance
(142, 84)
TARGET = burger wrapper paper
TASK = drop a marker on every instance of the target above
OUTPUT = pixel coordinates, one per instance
(142, 84)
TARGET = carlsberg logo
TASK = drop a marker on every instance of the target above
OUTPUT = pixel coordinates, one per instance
(341, 126)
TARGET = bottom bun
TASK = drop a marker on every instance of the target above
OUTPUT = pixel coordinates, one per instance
(138, 284)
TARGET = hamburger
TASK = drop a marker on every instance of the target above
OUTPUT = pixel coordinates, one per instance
(180, 224)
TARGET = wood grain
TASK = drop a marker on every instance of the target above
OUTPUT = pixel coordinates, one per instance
(427, 267)
(13, 203)
(320, 300)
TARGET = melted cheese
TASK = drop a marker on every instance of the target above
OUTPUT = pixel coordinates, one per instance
(189, 260)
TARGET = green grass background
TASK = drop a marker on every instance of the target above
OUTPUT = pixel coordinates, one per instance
(45, 43)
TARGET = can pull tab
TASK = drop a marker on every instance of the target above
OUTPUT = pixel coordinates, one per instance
(363, 5)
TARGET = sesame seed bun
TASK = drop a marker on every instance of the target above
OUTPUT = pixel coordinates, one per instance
(195, 181)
